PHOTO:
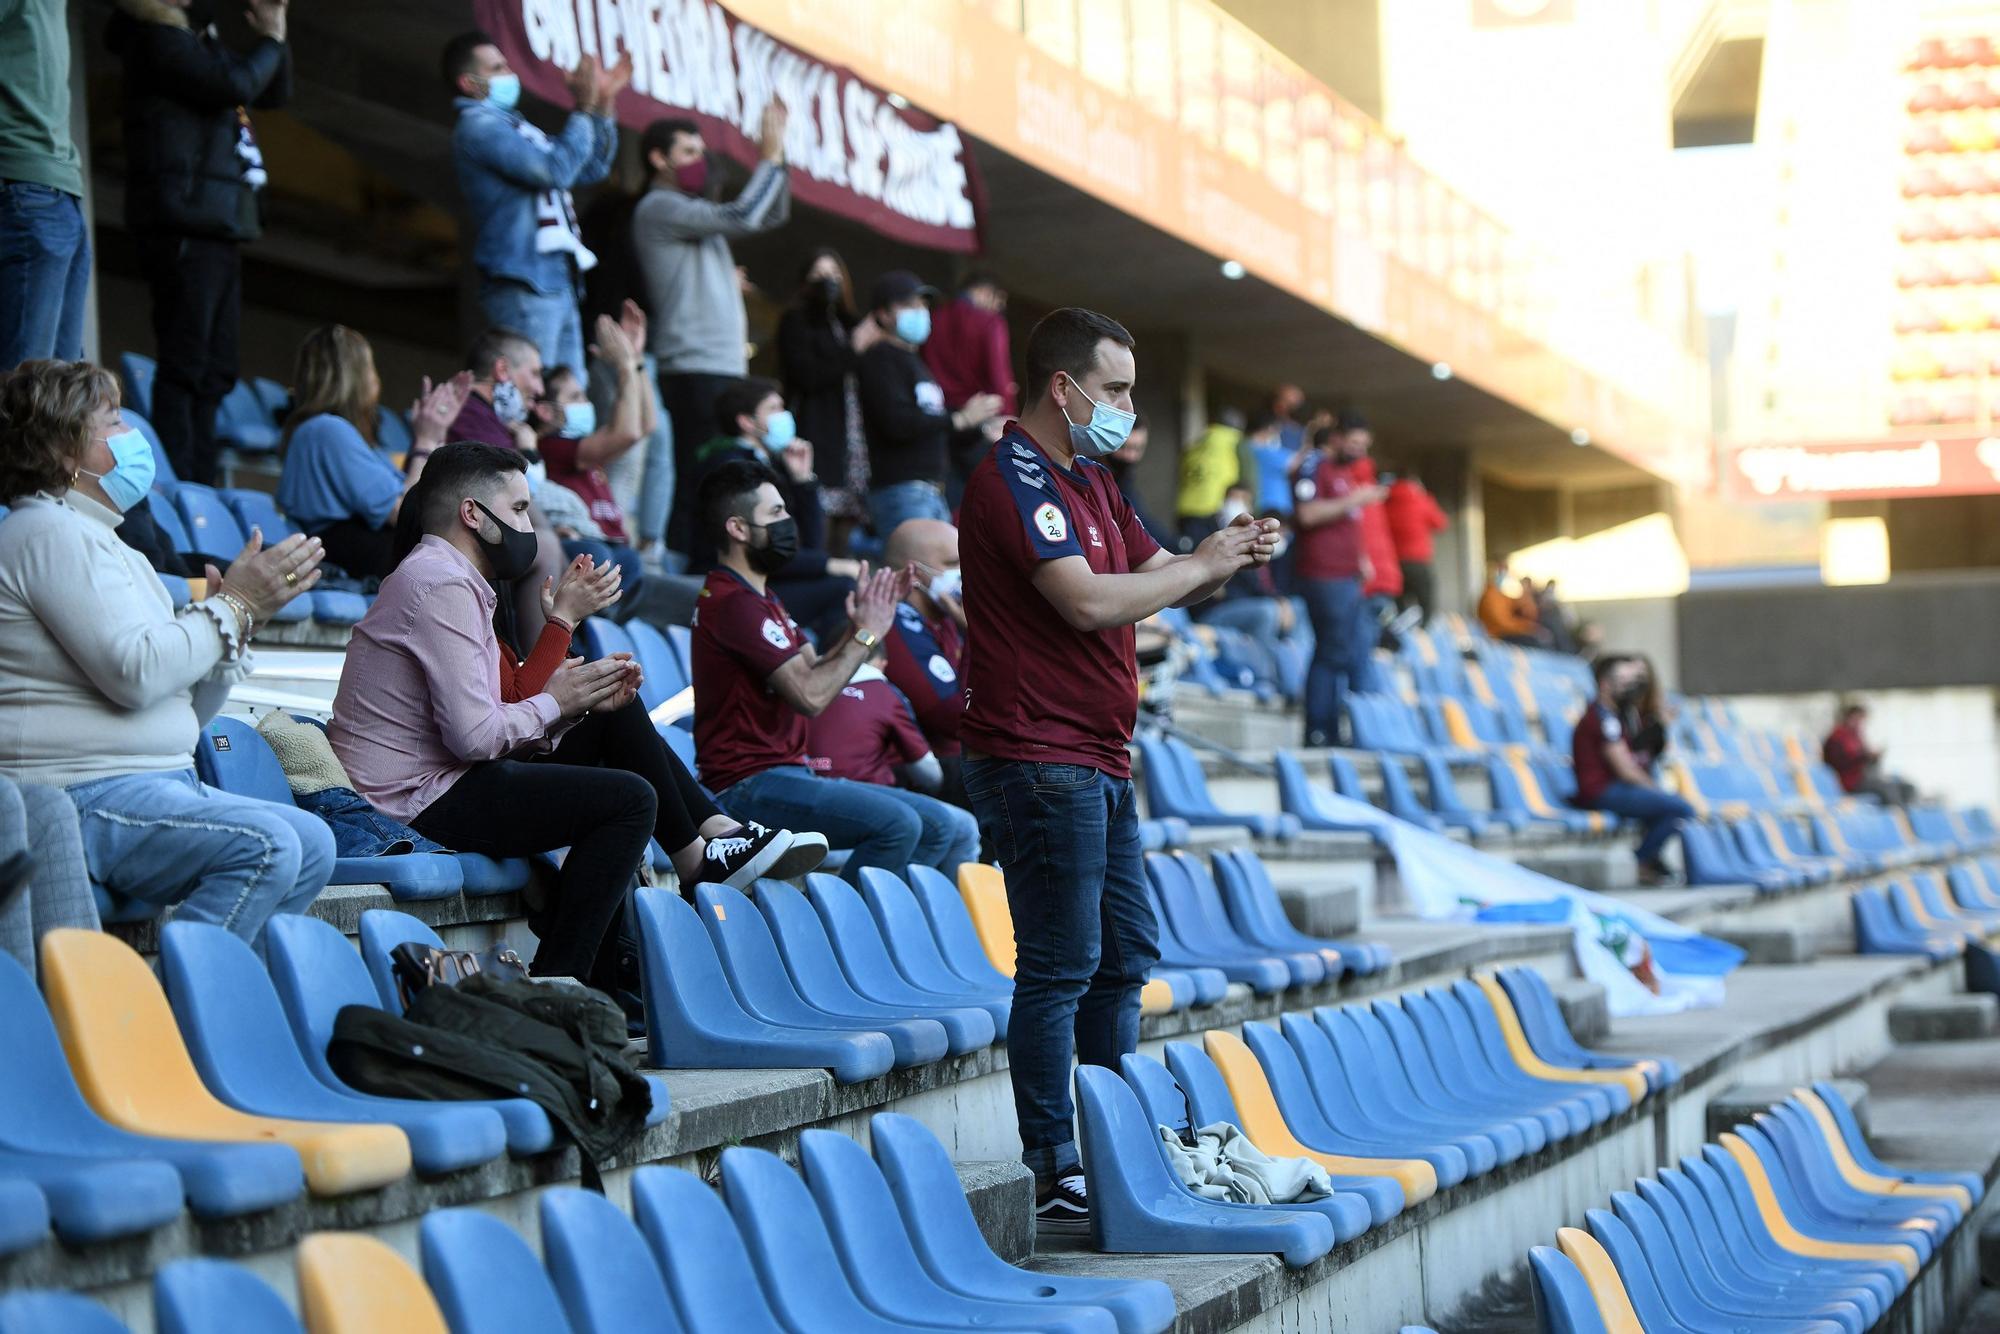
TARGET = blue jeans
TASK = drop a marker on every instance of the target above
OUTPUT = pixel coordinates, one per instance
(889, 506)
(44, 273)
(551, 323)
(885, 826)
(167, 839)
(1340, 654)
(1663, 813)
(1084, 933)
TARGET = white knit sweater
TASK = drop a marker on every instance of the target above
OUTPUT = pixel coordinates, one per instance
(98, 675)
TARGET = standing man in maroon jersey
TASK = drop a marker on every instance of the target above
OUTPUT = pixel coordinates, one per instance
(1057, 572)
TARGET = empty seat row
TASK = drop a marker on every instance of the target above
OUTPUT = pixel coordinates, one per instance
(1395, 1100)
(1789, 1223)
(1231, 921)
(850, 1241)
(1929, 914)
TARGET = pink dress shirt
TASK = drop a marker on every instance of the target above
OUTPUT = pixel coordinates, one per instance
(419, 700)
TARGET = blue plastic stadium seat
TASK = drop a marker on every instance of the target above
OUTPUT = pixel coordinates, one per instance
(277, 399)
(43, 1114)
(700, 1254)
(795, 1260)
(1252, 903)
(825, 980)
(1183, 942)
(163, 469)
(235, 1028)
(24, 1215)
(317, 974)
(213, 529)
(665, 677)
(1174, 784)
(601, 1269)
(1879, 930)
(137, 372)
(866, 960)
(259, 510)
(1436, 1078)
(1301, 798)
(1548, 1032)
(882, 1265)
(55, 1313)
(97, 1199)
(600, 637)
(234, 756)
(485, 1278)
(244, 423)
(952, 929)
(1137, 1205)
(907, 934)
(392, 430)
(201, 1296)
(947, 1239)
(756, 973)
(693, 1019)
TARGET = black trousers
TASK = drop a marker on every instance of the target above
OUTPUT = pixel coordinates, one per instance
(689, 398)
(197, 289)
(1419, 587)
(364, 552)
(609, 785)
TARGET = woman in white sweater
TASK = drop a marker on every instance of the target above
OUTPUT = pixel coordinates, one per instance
(104, 688)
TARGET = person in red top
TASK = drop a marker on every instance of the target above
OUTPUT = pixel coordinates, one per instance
(757, 681)
(1329, 566)
(868, 734)
(1057, 571)
(1415, 520)
(927, 643)
(1612, 775)
(1857, 765)
(972, 354)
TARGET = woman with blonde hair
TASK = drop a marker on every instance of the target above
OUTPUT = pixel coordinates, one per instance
(104, 687)
(338, 484)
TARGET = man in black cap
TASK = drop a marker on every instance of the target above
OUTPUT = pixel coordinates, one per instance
(903, 412)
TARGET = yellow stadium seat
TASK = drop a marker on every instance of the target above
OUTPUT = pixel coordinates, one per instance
(1265, 1124)
(1633, 1079)
(1538, 800)
(1795, 1241)
(1860, 1177)
(1690, 791)
(1614, 1307)
(984, 890)
(1482, 689)
(1458, 726)
(129, 1061)
(354, 1284)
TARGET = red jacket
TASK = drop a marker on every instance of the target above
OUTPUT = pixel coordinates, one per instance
(969, 351)
(1414, 520)
(1386, 576)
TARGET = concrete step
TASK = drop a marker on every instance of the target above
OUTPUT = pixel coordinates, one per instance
(1946, 1019)
(1740, 1102)
(1585, 1008)
(1002, 1195)
(1768, 944)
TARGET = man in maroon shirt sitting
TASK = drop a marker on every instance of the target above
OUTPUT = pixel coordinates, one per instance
(1612, 776)
(1857, 765)
(927, 643)
(868, 734)
(1057, 572)
(757, 681)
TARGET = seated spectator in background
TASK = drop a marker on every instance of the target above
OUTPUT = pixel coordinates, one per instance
(820, 342)
(867, 734)
(694, 290)
(927, 643)
(1512, 618)
(1124, 464)
(757, 682)
(338, 485)
(421, 725)
(506, 385)
(516, 182)
(910, 428)
(1552, 615)
(971, 353)
(1415, 520)
(753, 425)
(44, 879)
(1615, 777)
(109, 687)
(1211, 467)
(1857, 764)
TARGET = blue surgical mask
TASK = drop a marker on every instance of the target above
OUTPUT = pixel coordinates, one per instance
(131, 474)
(508, 405)
(504, 91)
(780, 429)
(579, 420)
(1104, 432)
(913, 324)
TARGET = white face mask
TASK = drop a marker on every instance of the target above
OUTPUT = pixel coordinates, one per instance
(948, 584)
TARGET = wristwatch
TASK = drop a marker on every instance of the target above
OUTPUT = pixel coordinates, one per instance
(868, 639)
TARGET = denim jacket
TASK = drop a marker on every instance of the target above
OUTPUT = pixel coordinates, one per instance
(503, 172)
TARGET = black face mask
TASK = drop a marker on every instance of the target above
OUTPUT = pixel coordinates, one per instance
(824, 292)
(512, 554)
(781, 543)
(1634, 693)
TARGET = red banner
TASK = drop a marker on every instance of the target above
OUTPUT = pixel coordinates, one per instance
(1870, 470)
(851, 150)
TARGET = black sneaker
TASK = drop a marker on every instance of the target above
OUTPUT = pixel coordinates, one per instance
(806, 852)
(738, 860)
(1064, 1210)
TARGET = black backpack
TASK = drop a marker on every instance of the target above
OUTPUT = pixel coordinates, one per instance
(562, 1048)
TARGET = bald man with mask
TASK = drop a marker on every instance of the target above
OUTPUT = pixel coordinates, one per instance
(927, 642)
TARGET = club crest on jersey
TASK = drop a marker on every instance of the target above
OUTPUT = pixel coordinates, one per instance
(1095, 540)
(775, 635)
(940, 668)
(1051, 523)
